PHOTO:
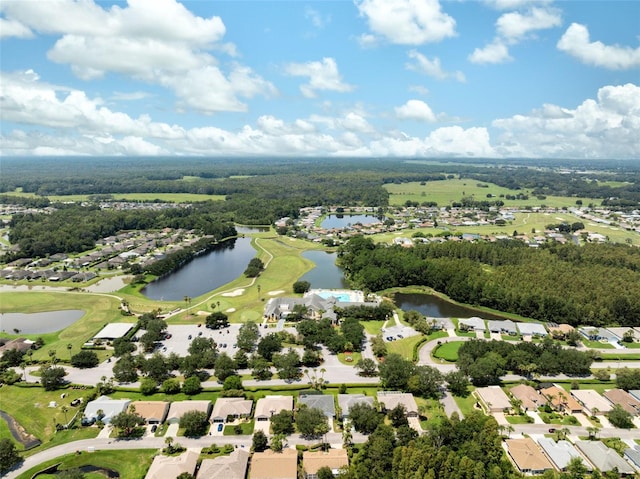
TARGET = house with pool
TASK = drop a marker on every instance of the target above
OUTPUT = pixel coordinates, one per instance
(317, 304)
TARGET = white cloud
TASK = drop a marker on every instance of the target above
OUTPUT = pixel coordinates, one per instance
(159, 42)
(607, 127)
(129, 96)
(431, 68)
(419, 89)
(316, 18)
(514, 26)
(13, 28)
(494, 52)
(407, 22)
(576, 43)
(514, 4)
(415, 110)
(322, 75)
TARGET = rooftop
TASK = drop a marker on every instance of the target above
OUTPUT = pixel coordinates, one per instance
(334, 459)
(274, 465)
(527, 456)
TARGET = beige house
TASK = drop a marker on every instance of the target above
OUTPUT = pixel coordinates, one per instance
(561, 400)
(163, 467)
(592, 402)
(178, 408)
(153, 412)
(231, 407)
(528, 396)
(274, 465)
(493, 399)
(527, 456)
(391, 399)
(233, 466)
(624, 399)
(270, 405)
(334, 459)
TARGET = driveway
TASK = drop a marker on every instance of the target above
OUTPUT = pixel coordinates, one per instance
(536, 417)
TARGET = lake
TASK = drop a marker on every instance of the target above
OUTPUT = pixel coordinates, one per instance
(39, 323)
(342, 221)
(433, 306)
(326, 274)
(203, 273)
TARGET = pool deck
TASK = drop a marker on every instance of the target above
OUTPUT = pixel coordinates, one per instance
(342, 295)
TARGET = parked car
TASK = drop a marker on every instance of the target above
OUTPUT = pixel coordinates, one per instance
(220, 426)
(154, 428)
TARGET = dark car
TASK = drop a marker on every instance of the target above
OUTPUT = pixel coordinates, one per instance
(154, 428)
(220, 426)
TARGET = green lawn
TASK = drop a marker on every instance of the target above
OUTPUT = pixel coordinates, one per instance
(373, 327)
(620, 357)
(518, 419)
(130, 463)
(247, 428)
(466, 404)
(404, 347)
(448, 351)
(354, 357)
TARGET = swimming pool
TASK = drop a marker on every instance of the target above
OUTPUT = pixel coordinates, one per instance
(341, 295)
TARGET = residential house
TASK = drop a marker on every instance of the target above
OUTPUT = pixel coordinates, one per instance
(270, 405)
(21, 344)
(527, 456)
(635, 393)
(163, 467)
(274, 465)
(532, 329)
(153, 412)
(347, 401)
(561, 330)
(233, 466)
(493, 399)
(632, 455)
(561, 453)
(502, 326)
(473, 324)
(391, 399)
(592, 402)
(624, 399)
(334, 459)
(178, 408)
(108, 408)
(603, 458)
(231, 407)
(324, 402)
(528, 396)
(561, 400)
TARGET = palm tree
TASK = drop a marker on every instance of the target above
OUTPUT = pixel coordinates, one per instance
(64, 410)
(69, 348)
(23, 365)
(259, 289)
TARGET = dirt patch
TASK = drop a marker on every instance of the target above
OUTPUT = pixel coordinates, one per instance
(29, 441)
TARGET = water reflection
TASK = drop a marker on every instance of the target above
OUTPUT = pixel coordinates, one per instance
(433, 306)
(326, 274)
(38, 323)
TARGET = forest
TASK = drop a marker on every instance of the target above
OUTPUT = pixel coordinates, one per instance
(595, 284)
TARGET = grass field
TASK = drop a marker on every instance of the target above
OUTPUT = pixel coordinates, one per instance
(447, 191)
(448, 351)
(130, 463)
(99, 310)
(404, 347)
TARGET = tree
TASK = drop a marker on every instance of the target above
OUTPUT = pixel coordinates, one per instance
(191, 386)
(52, 377)
(217, 320)
(301, 287)
(269, 345)
(232, 382)
(127, 423)
(365, 418)
(204, 350)
(122, 346)
(69, 348)
(260, 368)
(9, 456)
(576, 469)
(224, 367)
(259, 442)
(398, 416)
(367, 367)
(287, 365)
(628, 379)
(458, 383)
(194, 423)
(425, 381)
(124, 370)
(156, 367)
(277, 442)
(170, 386)
(573, 337)
(254, 268)
(85, 359)
(148, 386)
(620, 418)
(395, 372)
(248, 335)
(282, 422)
(325, 472)
(405, 434)
(311, 422)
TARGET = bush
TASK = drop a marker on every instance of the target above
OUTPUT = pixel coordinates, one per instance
(85, 359)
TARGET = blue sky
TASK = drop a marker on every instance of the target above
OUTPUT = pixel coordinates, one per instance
(363, 78)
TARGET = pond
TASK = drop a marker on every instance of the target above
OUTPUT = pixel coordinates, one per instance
(326, 274)
(243, 230)
(342, 221)
(433, 306)
(203, 273)
(39, 323)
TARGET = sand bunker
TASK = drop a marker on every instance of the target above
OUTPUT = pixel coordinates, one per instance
(237, 292)
(230, 310)
(203, 313)
(273, 293)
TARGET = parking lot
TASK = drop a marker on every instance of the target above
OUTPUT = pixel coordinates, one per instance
(182, 335)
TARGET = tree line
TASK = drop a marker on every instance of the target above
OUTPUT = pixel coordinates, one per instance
(592, 285)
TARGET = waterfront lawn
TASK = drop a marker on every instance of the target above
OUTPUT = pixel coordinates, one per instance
(99, 310)
(129, 463)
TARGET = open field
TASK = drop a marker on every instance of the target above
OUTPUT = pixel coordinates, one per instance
(168, 197)
(130, 463)
(447, 191)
